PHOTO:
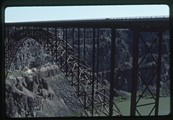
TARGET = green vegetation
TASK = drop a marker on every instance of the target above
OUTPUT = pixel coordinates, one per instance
(16, 73)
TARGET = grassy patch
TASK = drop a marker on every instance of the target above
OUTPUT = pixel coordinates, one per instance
(16, 73)
(56, 77)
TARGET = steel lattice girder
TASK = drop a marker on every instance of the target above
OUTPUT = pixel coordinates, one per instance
(137, 75)
(85, 89)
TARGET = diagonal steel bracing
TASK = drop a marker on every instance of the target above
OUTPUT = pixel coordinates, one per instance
(140, 70)
(93, 95)
(100, 103)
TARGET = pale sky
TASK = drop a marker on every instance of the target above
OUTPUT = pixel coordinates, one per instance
(24, 14)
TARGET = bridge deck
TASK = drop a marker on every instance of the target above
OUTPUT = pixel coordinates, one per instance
(101, 23)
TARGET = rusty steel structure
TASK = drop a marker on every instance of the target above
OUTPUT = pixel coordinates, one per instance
(97, 99)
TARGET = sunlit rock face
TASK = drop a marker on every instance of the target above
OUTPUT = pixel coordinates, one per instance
(28, 94)
(30, 54)
(34, 85)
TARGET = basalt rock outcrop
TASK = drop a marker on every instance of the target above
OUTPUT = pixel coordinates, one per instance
(29, 95)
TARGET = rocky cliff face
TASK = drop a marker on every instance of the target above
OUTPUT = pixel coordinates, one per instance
(34, 87)
(28, 94)
(30, 54)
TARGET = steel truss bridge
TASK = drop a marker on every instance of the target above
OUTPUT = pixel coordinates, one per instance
(96, 98)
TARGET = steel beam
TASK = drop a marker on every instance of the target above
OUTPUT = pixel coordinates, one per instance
(56, 45)
(93, 72)
(98, 38)
(78, 80)
(66, 52)
(73, 31)
(158, 74)
(134, 71)
(112, 64)
(102, 23)
(84, 46)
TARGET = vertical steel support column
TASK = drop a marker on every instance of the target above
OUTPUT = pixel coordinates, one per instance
(171, 56)
(93, 72)
(73, 38)
(98, 37)
(56, 45)
(63, 36)
(47, 30)
(158, 74)
(66, 53)
(47, 42)
(84, 44)
(112, 64)
(43, 44)
(62, 45)
(51, 49)
(134, 71)
(78, 59)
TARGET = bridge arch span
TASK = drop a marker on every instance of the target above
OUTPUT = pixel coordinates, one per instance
(45, 38)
